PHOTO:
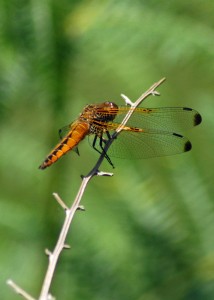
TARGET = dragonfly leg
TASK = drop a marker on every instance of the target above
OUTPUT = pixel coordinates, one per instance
(102, 144)
(94, 145)
(108, 135)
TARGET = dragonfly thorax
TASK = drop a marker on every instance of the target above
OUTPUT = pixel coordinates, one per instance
(102, 112)
(106, 112)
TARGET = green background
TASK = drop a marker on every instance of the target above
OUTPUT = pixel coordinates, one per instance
(148, 232)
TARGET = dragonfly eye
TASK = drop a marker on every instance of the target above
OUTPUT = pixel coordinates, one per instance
(110, 105)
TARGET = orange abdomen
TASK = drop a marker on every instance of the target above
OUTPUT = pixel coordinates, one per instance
(72, 139)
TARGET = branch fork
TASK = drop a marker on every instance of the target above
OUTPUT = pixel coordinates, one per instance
(69, 212)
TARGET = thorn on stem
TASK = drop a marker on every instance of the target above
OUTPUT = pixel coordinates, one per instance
(101, 173)
(155, 93)
(127, 100)
(66, 246)
(48, 252)
(81, 207)
(50, 297)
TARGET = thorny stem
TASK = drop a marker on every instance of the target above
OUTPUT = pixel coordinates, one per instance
(53, 257)
(60, 245)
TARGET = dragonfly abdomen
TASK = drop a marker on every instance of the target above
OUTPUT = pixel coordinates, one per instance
(72, 139)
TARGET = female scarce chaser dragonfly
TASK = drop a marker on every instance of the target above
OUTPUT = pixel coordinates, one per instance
(150, 132)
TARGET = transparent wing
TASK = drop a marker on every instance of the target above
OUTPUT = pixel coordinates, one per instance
(66, 129)
(151, 143)
(164, 118)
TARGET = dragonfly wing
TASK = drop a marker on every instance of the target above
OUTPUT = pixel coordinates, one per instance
(163, 118)
(64, 131)
(151, 143)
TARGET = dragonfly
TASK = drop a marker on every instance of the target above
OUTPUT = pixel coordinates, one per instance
(150, 132)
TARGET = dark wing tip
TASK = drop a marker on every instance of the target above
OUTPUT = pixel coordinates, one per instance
(197, 119)
(187, 146)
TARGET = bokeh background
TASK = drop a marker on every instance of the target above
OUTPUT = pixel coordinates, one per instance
(148, 232)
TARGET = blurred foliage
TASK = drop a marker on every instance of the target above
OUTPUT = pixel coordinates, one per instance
(148, 231)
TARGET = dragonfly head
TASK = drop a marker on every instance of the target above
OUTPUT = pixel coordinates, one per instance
(106, 111)
(109, 105)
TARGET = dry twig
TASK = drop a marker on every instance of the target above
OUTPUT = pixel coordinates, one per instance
(60, 245)
(18, 290)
